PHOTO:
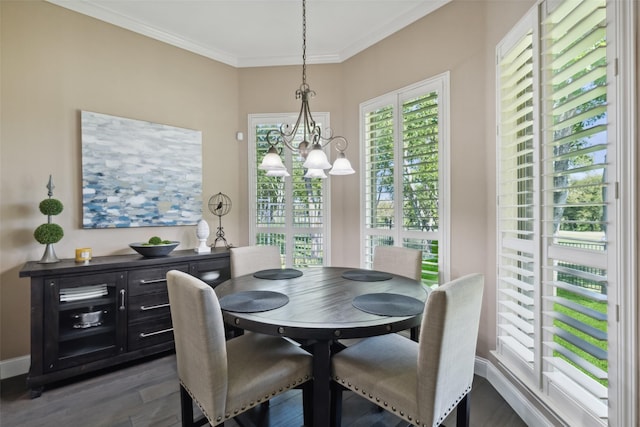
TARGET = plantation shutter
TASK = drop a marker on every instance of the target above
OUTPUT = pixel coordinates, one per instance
(379, 162)
(576, 202)
(518, 247)
(421, 178)
(401, 163)
(290, 212)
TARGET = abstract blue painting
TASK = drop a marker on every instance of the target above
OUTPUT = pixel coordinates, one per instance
(137, 173)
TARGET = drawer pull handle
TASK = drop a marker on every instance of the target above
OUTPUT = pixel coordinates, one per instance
(150, 282)
(150, 334)
(153, 307)
(122, 294)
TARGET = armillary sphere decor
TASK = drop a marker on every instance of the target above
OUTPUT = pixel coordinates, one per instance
(311, 146)
(219, 205)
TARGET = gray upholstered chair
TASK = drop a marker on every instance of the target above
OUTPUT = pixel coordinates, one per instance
(226, 378)
(419, 382)
(402, 262)
(249, 259)
(397, 260)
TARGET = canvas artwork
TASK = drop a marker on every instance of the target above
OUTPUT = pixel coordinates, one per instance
(137, 173)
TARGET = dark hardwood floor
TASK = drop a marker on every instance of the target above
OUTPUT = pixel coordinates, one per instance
(146, 394)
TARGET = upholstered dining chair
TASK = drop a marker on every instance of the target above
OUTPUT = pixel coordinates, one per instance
(249, 259)
(420, 382)
(398, 260)
(402, 262)
(226, 378)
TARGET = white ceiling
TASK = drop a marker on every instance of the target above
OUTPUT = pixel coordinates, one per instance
(251, 33)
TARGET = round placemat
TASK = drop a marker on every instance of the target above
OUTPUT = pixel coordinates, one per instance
(253, 301)
(366, 275)
(386, 304)
(278, 273)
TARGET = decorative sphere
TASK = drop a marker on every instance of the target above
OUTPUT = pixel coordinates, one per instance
(51, 206)
(219, 204)
(48, 233)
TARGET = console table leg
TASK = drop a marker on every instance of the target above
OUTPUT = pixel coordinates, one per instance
(35, 392)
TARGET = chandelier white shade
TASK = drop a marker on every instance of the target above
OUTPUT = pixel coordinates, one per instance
(341, 166)
(313, 142)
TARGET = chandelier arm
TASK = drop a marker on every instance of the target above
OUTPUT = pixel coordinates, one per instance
(273, 142)
(340, 142)
(288, 137)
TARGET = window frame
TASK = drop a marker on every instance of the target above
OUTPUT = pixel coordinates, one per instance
(288, 230)
(441, 84)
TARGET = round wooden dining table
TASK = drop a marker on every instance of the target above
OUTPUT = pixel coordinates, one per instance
(317, 308)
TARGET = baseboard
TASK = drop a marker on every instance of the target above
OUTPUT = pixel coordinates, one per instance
(518, 402)
(14, 367)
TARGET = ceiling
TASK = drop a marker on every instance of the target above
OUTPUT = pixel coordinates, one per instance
(252, 33)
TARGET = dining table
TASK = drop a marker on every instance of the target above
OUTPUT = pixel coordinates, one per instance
(317, 307)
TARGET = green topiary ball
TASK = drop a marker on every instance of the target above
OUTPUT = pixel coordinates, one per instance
(51, 206)
(155, 240)
(48, 233)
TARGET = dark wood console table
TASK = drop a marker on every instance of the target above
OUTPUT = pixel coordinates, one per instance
(111, 310)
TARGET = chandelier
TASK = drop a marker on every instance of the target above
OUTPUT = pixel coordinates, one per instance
(313, 142)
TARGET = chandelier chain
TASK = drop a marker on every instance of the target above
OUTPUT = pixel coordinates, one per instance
(304, 42)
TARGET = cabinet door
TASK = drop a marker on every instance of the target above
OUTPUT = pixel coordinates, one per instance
(212, 271)
(85, 319)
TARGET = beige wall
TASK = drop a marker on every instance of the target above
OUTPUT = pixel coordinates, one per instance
(56, 62)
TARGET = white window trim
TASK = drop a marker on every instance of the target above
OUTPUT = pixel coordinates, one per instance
(260, 118)
(439, 83)
(623, 398)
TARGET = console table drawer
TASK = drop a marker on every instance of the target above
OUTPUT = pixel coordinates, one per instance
(151, 332)
(148, 306)
(152, 279)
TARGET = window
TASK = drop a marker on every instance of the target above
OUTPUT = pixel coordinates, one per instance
(404, 159)
(292, 212)
(557, 276)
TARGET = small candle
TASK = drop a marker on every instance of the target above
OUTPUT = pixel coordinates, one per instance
(83, 254)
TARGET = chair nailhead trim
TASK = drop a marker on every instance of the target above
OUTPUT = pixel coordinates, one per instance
(401, 412)
(206, 415)
(253, 403)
